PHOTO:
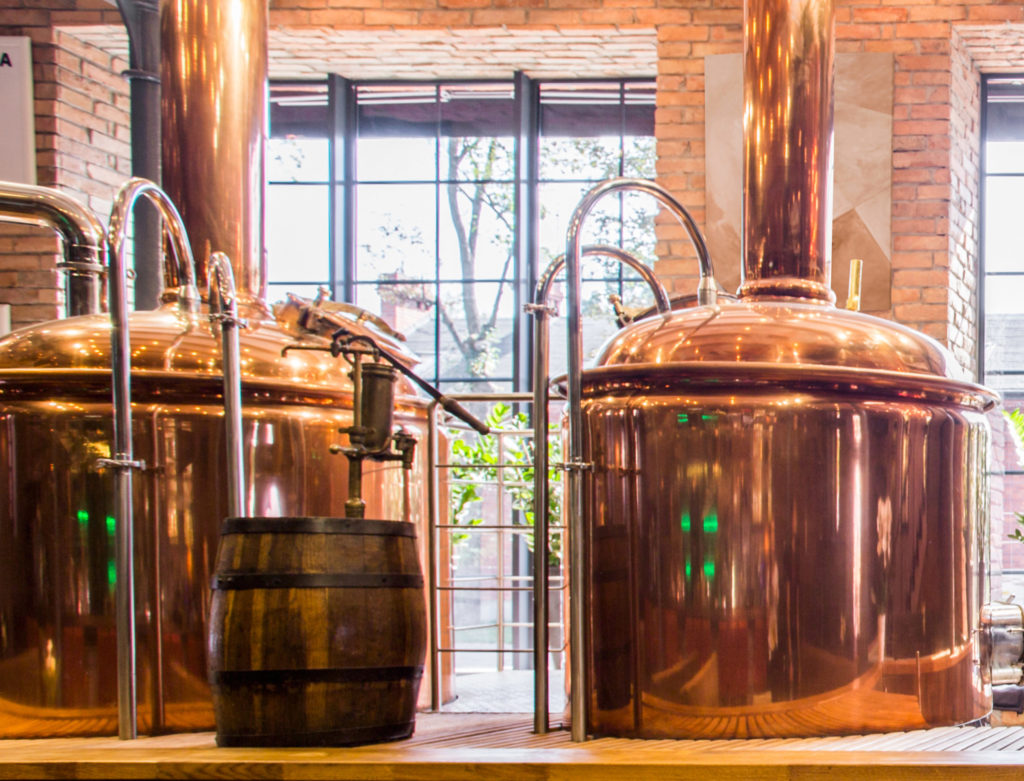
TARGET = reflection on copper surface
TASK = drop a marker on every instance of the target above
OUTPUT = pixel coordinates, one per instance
(781, 562)
(56, 594)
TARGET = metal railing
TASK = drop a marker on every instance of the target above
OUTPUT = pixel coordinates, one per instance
(499, 519)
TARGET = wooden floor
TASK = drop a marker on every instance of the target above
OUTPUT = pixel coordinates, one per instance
(478, 747)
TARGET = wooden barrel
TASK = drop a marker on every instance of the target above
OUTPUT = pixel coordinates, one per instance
(317, 632)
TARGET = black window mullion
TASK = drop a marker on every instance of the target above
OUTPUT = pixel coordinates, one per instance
(527, 225)
(341, 118)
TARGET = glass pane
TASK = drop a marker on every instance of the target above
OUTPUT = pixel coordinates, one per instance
(594, 158)
(476, 335)
(557, 203)
(297, 160)
(1003, 199)
(397, 128)
(298, 110)
(465, 158)
(297, 241)
(395, 231)
(1004, 295)
(640, 157)
(1004, 157)
(476, 231)
(277, 293)
(396, 159)
(477, 123)
(1003, 352)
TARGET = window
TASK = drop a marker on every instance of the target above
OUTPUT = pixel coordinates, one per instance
(1003, 294)
(448, 200)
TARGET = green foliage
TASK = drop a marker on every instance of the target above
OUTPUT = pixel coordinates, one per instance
(477, 462)
(1016, 420)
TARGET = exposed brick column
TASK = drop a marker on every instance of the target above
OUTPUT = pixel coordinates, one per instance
(685, 38)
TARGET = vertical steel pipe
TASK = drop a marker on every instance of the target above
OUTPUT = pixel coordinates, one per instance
(122, 463)
(432, 557)
(542, 312)
(214, 78)
(574, 458)
(122, 460)
(788, 76)
(224, 310)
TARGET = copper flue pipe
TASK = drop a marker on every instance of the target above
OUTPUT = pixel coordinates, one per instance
(788, 75)
(214, 76)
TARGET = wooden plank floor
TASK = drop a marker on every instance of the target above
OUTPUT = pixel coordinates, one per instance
(478, 747)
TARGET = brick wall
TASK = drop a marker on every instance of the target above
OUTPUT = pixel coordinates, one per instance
(82, 131)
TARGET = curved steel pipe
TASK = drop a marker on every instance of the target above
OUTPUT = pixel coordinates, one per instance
(122, 463)
(79, 229)
(122, 460)
(573, 462)
(541, 360)
(179, 278)
(224, 309)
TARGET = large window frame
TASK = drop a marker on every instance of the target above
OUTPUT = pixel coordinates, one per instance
(337, 121)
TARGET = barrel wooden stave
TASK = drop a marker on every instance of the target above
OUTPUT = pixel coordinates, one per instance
(299, 665)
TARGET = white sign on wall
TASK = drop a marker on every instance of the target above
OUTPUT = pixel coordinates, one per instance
(17, 116)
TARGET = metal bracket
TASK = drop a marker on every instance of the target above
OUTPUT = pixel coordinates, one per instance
(225, 319)
(120, 463)
(578, 466)
(535, 309)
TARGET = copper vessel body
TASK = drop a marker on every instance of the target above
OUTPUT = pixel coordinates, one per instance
(799, 558)
(57, 623)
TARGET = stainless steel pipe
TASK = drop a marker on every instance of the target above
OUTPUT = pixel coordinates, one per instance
(574, 458)
(122, 462)
(179, 277)
(80, 230)
(542, 311)
(224, 310)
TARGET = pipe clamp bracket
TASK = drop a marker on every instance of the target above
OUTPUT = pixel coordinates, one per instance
(578, 466)
(120, 463)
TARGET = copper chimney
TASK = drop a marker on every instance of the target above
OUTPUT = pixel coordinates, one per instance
(214, 80)
(788, 75)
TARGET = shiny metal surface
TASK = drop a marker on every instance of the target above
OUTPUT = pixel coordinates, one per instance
(783, 506)
(788, 76)
(56, 545)
(84, 239)
(541, 309)
(122, 462)
(213, 77)
(179, 276)
(224, 311)
(1002, 639)
(790, 333)
(574, 452)
(780, 558)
